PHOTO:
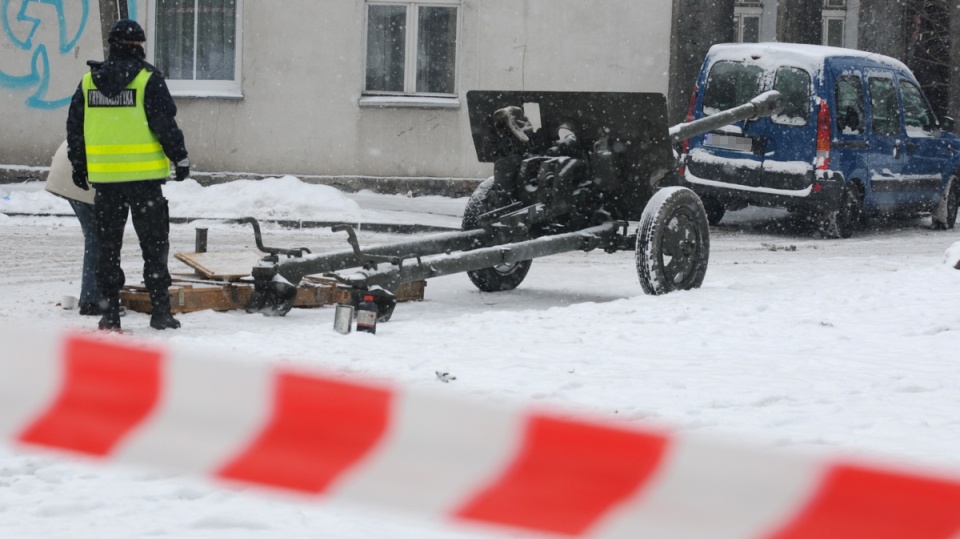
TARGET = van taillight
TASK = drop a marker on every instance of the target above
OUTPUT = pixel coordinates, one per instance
(822, 160)
(686, 142)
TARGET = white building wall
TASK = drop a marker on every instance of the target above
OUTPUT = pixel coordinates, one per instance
(303, 75)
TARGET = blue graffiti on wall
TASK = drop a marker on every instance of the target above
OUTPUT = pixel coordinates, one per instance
(39, 75)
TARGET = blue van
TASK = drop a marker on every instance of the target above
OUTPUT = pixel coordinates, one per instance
(856, 136)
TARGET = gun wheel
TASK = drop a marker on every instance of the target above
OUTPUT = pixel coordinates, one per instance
(496, 278)
(673, 242)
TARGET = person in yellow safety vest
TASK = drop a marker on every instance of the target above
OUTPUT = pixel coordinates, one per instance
(122, 135)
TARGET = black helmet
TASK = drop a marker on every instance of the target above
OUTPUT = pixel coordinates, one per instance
(126, 31)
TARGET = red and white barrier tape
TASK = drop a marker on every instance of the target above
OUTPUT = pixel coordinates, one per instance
(119, 400)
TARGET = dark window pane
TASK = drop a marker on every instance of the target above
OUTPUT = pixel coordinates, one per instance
(436, 49)
(386, 43)
(835, 32)
(730, 84)
(751, 29)
(849, 98)
(917, 114)
(174, 39)
(885, 115)
(216, 39)
(794, 84)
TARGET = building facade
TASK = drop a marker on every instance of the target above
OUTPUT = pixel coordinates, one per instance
(378, 87)
(343, 88)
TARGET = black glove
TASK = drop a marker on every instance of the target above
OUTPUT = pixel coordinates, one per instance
(80, 179)
(182, 170)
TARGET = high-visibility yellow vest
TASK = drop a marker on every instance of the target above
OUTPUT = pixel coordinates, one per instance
(120, 145)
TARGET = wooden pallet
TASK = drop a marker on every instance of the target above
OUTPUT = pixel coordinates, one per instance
(197, 296)
(215, 285)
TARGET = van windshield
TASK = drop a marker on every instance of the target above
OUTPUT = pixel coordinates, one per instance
(730, 84)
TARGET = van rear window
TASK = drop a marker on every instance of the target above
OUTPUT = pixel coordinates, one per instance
(730, 84)
(794, 84)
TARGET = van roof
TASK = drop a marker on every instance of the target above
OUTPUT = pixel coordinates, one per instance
(812, 56)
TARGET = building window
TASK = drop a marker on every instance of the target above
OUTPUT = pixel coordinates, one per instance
(834, 4)
(833, 28)
(195, 43)
(746, 16)
(412, 48)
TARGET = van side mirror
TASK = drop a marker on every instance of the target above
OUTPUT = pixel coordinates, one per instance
(948, 124)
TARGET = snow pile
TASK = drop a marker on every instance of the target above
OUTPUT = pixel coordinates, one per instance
(270, 198)
(15, 198)
(952, 257)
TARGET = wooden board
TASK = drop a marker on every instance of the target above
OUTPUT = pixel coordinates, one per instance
(191, 297)
(186, 298)
(229, 266)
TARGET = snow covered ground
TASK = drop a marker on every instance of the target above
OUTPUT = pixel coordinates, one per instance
(793, 343)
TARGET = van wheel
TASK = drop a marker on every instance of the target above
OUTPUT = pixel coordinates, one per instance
(842, 222)
(945, 215)
(714, 208)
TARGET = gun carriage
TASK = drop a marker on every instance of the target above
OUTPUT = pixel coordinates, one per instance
(596, 163)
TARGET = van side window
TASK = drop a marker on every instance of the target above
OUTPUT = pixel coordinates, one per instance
(885, 117)
(794, 84)
(730, 84)
(917, 114)
(848, 95)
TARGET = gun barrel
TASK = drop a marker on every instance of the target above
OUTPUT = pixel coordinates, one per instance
(765, 104)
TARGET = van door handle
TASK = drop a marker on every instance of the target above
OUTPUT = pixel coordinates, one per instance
(911, 147)
(897, 149)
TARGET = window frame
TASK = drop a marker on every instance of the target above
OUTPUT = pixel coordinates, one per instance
(231, 89)
(741, 18)
(833, 15)
(410, 97)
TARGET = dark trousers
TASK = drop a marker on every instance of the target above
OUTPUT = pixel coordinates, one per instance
(89, 292)
(143, 200)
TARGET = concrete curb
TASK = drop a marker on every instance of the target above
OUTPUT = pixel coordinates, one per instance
(387, 185)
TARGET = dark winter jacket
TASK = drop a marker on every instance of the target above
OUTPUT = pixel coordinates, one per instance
(111, 77)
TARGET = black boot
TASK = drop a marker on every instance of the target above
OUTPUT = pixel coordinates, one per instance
(161, 317)
(110, 321)
(164, 321)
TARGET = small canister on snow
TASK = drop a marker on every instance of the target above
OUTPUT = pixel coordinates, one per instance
(343, 318)
(367, 315)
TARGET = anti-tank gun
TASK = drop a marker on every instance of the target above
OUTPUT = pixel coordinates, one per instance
(596, 162)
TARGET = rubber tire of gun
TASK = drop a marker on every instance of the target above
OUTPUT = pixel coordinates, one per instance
(673, 242)
(495, 278)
